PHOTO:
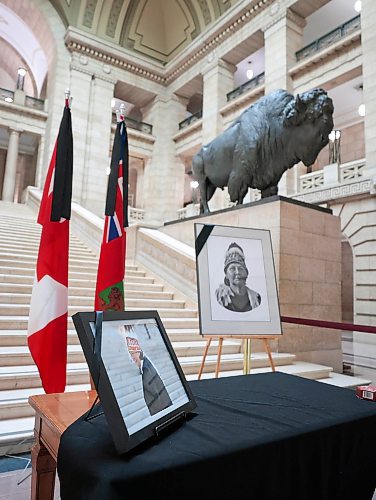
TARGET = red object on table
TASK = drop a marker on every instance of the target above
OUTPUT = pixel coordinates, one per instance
(366, 392)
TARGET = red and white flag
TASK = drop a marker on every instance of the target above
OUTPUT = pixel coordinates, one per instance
(48, 319)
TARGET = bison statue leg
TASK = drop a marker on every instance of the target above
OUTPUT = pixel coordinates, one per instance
(207, 189)
(269, 191)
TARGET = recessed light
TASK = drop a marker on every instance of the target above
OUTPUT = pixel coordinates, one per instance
(8, 99)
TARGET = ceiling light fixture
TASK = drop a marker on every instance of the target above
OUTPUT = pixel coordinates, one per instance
(8, 99)
(362, 110)
(358, 5)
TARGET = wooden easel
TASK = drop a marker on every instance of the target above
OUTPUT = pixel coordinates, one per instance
(247, 350)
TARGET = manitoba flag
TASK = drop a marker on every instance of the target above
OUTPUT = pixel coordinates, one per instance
(109, 293)
(47, 329)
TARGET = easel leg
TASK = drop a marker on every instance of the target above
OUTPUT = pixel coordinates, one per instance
(208, 342)
(220, 342)
(268, 351)
(247, 357)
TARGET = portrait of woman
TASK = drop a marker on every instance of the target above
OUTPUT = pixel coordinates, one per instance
(233, 293)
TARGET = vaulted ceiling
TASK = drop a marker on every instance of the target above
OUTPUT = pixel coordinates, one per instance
(155, 28)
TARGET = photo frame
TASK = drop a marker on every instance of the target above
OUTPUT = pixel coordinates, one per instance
(139, 380)
(236, 281)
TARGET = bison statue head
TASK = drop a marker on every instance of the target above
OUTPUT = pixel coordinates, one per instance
(269, 137)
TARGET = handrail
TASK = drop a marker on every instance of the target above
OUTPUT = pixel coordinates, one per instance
(249, 85)
(329, 324)
(193, 118)
(333, 36)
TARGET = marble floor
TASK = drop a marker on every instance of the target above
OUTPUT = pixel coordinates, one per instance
(16, 485)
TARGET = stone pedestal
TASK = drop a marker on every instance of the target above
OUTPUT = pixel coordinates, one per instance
(307, 254)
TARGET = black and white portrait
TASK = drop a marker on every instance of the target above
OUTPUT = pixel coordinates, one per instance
(237, 279)
(233, 293)
(237, 288)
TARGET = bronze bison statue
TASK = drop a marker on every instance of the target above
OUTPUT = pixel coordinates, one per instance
(269, 137)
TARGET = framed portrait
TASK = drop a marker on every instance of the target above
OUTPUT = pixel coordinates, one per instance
(237, 290)
(139, 380)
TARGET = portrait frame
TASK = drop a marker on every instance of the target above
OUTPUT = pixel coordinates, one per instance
(224, 307)
(139, 401)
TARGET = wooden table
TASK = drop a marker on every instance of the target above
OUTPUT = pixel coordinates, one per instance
(53, 414)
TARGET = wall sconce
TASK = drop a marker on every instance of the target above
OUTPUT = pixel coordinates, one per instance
(362, 110)
(335, 147)
(250, 72)
(21, 72)
(194, 185)
(358, 6)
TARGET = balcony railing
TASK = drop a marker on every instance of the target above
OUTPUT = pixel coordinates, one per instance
(352, 171)
(5, 93)
(31, 102)
(313, 180)
(136, 214)
(347, 173)
(135, 124)
(191, 119)
(330, 38)
(250, 85)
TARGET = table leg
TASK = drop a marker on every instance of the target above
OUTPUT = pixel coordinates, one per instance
(43, 473)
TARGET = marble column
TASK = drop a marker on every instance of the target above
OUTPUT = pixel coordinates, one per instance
(368, 16)
(97, 157)
(283, 37)
(218, 77)
(11, 165)
(81, 88)
(164, 172)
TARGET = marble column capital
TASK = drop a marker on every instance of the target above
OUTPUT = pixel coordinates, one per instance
(15, 130)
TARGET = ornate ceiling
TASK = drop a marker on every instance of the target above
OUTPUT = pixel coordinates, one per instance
(156, 28)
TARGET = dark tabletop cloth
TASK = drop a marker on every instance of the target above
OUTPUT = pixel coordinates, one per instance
(268, 436)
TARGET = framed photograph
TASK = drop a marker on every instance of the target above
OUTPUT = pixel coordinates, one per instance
(237, 291)
(139, 380)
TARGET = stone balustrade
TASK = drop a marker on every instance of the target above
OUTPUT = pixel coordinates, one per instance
(332, 175)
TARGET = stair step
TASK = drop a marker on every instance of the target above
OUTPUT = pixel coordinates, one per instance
(20, 355)
(20, 323)
(230, 362)
(196, 348)
(16, 435)
(14, 338)
(146, 299)
(166, 310)
(74, 279)
(136, 288)
(341, 380)
(26, 376)
(14, 403)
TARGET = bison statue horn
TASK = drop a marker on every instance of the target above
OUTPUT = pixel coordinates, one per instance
(268, 138)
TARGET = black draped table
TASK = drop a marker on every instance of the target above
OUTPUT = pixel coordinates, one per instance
(269, 436)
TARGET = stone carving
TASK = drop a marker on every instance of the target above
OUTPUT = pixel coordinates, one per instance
(268, 138)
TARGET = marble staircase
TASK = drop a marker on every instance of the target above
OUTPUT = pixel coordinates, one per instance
(19, 241)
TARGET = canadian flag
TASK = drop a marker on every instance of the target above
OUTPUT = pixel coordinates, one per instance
(48, 319)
